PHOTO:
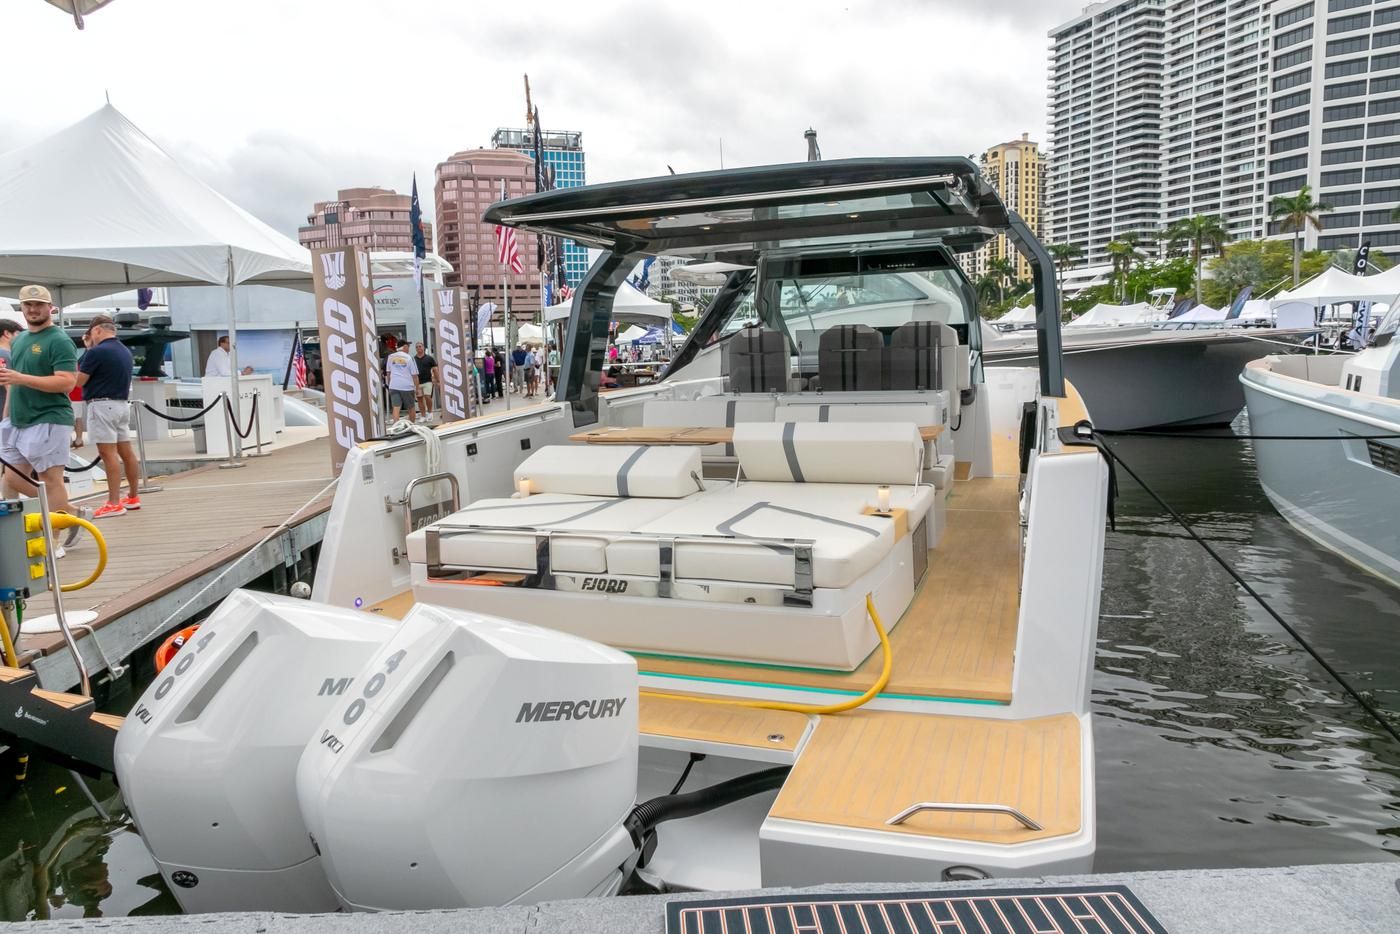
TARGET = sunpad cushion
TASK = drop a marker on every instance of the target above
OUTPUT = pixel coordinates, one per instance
(663, 471)
(830, 452)
(847, 543)
(916, 413)
(584, 526)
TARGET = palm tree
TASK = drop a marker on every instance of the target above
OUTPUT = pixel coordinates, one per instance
(1123, 253)
(1065, 254)
(1199, 232)
(1003, 270)
(988, 288)
(1297, 213)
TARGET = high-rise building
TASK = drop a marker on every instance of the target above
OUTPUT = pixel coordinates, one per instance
(563, 152)
(376, 218)
(1334, 116)
(467, 183)
(1017, 171)
(1106, 71)
(1165, 109)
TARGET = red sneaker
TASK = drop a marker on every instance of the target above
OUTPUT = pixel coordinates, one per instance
(109, 509)
(131, 503)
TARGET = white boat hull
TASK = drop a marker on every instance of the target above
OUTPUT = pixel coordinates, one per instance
(1332, 491)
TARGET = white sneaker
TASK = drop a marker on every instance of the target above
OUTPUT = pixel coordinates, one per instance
(58, 552)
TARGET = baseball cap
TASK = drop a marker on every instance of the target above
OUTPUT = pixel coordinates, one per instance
(35, 293)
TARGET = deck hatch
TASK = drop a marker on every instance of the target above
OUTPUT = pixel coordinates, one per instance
(1023, 911)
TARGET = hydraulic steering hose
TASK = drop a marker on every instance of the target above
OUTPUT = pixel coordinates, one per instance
(647, 815)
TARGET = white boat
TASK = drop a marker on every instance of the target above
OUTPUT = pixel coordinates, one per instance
(537, 664)
(1342, 493)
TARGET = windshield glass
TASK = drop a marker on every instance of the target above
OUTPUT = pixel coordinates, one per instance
(810, 305)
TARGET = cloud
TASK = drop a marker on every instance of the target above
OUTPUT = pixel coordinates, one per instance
(277, 105)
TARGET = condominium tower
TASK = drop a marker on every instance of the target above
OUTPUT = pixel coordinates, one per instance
(1165, 109)
(374, 218)
(563, 152)
(1017, 172)
(467, 184)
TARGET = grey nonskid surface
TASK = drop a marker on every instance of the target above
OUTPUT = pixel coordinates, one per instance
(1362, 897)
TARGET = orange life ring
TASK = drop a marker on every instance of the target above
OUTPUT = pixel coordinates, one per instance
(170, 646)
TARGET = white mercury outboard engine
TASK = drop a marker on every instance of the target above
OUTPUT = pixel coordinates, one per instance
(476, 762)
(207, 758)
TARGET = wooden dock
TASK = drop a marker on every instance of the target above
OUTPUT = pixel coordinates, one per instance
(161, 556)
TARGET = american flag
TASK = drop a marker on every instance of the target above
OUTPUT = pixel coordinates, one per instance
(507, 250)
(299, 365)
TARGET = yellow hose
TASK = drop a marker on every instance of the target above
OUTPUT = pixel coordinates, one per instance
(879, 685)
(11, 656)
(61, 520)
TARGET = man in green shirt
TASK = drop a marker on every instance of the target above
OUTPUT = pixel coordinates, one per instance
(42, 371)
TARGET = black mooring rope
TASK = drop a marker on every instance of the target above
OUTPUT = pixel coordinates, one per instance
(1085, 432)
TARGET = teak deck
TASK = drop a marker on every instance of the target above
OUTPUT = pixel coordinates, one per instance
(200, 520)
(958, 637)
(1031, 765)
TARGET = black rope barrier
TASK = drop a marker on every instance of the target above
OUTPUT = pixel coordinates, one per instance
(1084, 432)
(252, 417)
(180, 418)
(95, 461)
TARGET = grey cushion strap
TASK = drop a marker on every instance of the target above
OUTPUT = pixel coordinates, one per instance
(790, 452)
(727, 526)
(626, 468)
(729, 408)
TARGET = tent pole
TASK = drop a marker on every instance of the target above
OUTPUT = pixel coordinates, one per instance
(235, 454)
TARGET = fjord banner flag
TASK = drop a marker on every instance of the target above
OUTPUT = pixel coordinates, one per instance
(453, 351)
(349, 348)
(1363, 260)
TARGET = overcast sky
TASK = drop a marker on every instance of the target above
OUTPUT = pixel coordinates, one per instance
(277, 103)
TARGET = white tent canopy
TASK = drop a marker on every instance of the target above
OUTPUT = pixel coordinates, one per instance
(631, 335)
(1334, 286)
(100, 208)
(1025, 314)
(1203, 313)
(629, 304)
(1102, 315)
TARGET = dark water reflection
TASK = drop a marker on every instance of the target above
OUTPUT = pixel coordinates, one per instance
(1220, 743)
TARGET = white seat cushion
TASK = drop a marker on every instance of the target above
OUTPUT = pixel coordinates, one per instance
(830, 452)
(847, 543)
(585, 526)
(919, 413)
(709, 412)
(658, 471)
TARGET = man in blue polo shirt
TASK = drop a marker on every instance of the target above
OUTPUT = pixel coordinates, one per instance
(104, 372)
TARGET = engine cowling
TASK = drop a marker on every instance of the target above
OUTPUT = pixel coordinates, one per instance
(207, 758)
(478, 762)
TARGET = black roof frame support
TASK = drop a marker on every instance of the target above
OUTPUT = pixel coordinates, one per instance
(1047, 305)
(586, 341)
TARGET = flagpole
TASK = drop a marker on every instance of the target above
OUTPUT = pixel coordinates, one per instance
(296, 340)
(505, 304)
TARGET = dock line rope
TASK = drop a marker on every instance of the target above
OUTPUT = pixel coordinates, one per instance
(1084, 432)
(285, 523)
(1201, 436)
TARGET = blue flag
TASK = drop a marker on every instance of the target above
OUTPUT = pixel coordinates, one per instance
(415, 223)
(1237, 305)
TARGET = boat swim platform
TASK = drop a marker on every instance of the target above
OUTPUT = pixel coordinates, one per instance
(1359, 898)
(183, 537)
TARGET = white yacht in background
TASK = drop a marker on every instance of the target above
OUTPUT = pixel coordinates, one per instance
(1343, 493)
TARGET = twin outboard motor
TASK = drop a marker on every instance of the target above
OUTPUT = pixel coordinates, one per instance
(475, 762)
(207, 758)
(298, 757)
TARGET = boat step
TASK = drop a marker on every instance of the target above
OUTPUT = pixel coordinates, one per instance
(680, 721)
(66, 727)
(861, 769)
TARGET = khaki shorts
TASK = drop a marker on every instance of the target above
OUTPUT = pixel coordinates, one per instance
(425, 388)
(42, 446)
(108, 421)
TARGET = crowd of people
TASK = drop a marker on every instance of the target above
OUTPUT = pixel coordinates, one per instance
(40, 373)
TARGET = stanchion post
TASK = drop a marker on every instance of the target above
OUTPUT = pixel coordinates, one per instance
(229, 433)
(57, 589)
(257, 425)
(146, 485)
